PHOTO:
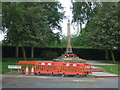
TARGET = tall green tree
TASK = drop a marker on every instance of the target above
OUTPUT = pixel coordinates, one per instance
(31, 24)
(12, 23)
(102, 29)
(82, 13)
(106, 34)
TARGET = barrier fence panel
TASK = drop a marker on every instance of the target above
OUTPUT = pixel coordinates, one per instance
(48, 67)
(88, 68)
(25, 64)
(72, 69)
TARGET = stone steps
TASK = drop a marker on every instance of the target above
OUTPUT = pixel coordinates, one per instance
(103, 75)
(97, 69)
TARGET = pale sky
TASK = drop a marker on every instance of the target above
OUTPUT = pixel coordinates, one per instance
(66, 4)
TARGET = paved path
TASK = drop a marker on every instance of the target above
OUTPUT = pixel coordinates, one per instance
(13, 81)
(104, 74)
(99, 63)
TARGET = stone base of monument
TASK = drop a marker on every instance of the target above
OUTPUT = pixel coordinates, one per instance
(70, 59)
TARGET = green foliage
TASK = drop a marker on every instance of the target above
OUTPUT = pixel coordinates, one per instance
(105, 32)
(80, 40)
(49, 55)
(102, 29)
(31, 24)
(82, 12)
(35, 23)
(63, 41)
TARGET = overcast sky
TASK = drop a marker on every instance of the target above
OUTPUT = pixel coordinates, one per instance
(66, 4)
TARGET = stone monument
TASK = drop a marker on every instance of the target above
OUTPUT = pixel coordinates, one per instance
(69, 48)
(69, 56)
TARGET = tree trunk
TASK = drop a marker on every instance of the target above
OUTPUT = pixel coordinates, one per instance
(24, 53)
(32, 52)
(80, 26)
(17, 52)
(112, 55)
(107, 54)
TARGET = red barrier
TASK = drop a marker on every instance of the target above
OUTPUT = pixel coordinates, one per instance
(72, 68)
(25, 64)
(88, 68)
(48, 67)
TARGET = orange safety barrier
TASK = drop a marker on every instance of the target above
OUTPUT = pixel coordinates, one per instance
(72, 69)
(88, 68)
(48, 67)
(25, 64)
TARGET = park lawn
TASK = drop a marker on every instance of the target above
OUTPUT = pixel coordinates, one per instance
(5, 67)
(105, 61)
(110, 68)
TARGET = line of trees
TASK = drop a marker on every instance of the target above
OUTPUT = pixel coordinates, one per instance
(102, 27)
(31, 24)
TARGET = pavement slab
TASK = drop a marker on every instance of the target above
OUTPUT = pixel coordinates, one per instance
(99, 63)
(103, 75)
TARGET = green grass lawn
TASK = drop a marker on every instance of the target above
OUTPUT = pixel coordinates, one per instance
(111, 68)
(104, 61)
(5, 67)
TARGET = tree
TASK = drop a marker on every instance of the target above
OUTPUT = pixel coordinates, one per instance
(102, 30)
(34, 25)
(107, 32)
(82, 12)
(11, 22)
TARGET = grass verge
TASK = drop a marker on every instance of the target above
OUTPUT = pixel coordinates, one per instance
(5, 67)
(110, 68)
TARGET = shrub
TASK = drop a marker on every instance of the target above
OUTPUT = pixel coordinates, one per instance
(48, 55)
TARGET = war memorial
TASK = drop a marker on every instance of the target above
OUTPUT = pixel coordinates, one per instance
(69, 56)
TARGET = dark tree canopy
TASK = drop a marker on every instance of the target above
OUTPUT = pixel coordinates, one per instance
(31, 23)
